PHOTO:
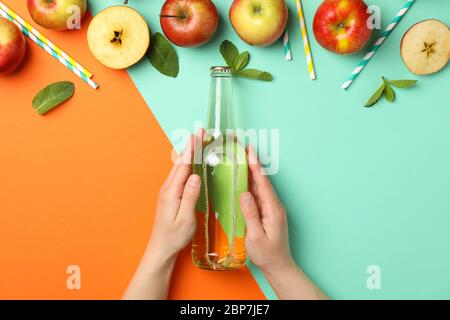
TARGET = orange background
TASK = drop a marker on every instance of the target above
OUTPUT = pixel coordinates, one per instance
(78, 185)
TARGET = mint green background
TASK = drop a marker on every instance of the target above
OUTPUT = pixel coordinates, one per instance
(362, 186)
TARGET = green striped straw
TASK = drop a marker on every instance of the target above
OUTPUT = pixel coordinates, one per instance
(377, 44)
(287, 46)
(49, 50)
(40, 36)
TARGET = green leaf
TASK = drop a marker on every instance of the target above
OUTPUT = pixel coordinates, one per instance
(238, 63)
(254, 74)
(389, 93)
(229, 52)
(52, 96)
(241, 61)
(403, 83)
(163, 56)
(376, 96)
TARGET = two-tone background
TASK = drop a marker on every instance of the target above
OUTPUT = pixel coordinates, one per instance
(362, 186)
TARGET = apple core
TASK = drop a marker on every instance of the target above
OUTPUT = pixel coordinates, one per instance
(118, 37)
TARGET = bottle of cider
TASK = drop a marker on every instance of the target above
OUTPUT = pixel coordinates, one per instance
(221, 162)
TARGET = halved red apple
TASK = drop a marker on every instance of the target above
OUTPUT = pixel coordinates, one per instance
(425, 47)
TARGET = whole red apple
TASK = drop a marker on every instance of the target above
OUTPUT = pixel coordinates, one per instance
(340, 26)
(257, 22)
(189, 23)
(12, 46)
(57, 14)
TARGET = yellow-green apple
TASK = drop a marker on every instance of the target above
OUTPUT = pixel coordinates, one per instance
(259, 22)
(57, 14)
(341, 26)
(425, 47)
(118, 37)
(12, 46)
(189, 23)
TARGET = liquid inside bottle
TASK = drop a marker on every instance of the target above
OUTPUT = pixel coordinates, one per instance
(221, 162)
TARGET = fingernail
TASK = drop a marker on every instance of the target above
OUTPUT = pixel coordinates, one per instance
(246, 197)
(194, 180)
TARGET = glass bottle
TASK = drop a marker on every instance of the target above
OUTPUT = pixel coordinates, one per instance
(221, 162)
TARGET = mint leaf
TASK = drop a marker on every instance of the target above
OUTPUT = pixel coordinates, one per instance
(254, 74)
(229, 52)
(52, 96)
(389, 93)
(241, 61)
(403, 83)
(163, 56)
(387, 90)
(376, 96)
(238, 63)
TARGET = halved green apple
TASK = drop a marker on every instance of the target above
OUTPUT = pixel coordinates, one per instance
(118, 37)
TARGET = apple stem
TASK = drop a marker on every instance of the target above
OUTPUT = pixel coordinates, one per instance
(172, 16)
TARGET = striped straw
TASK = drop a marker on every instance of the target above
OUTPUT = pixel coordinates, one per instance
(287, 46)
(301, 18)
(50, 51)
(377, 44)
(38, 35)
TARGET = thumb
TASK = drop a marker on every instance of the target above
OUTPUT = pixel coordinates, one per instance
(251, 215)
(190, 196)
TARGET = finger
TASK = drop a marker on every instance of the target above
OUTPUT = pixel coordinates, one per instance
(200, 133)
(255, 167)
(171, 173)
(251, 215)
(259, 181)
(189, 200)
(186, 156)
(183, 168)
(253, 164)
(197, 148)
(177, 159)
(191, 146)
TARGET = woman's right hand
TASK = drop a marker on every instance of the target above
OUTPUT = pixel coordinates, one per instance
(267, 240)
